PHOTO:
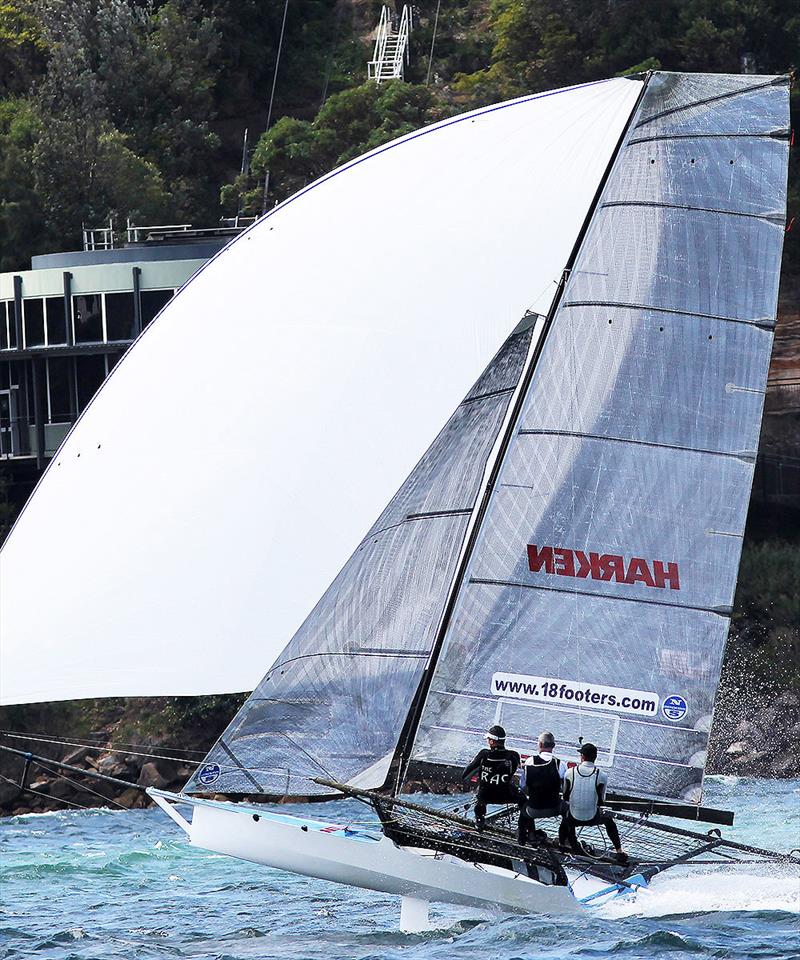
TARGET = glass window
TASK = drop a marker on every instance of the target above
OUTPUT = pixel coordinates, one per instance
(3, 325)
(56, 320)
(58, 386)
(87, 312)
(5, 375)
(33, 313)
(152, 302)
(90, 373)
(112, 360)
(12, 325)
(119, 316)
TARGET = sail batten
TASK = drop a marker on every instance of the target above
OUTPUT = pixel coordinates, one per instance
(629, 472)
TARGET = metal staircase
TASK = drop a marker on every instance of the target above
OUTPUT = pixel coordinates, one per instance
(391, 46)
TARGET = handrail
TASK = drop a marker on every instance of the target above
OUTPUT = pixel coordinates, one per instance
(381, 39)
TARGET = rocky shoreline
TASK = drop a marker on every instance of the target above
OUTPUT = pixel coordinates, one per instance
(761, 743)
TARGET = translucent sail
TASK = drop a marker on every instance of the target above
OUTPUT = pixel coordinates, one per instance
(231, 463)
(334, 702)
(597, 599)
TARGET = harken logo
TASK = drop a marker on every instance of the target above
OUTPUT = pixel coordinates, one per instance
(603, 566)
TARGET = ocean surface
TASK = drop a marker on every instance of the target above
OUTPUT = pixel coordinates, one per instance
(102, 884)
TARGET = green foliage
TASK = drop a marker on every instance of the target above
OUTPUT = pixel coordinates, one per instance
(768, 583)
(22, 227)
(541, 44)
(350, 123)
(22, 47)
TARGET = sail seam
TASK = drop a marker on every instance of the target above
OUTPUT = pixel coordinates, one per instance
(433, 514)
(411, 518)
(769, 217)
(782, 134)
(489, 394)
(763, 324)
(747, 457)
(718, 611)
(340, 653)
(706, 100)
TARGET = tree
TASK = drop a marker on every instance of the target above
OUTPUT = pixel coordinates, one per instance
(295, 152)
(22, 47)
(22, 227)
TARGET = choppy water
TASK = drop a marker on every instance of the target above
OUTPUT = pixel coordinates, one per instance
(101, 884)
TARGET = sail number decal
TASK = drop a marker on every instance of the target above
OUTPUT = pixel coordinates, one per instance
(574, 692)
(603, 566)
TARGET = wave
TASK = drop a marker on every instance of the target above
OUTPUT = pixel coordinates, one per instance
(711, 892)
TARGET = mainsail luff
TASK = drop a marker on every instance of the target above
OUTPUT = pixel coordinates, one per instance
(601, 484)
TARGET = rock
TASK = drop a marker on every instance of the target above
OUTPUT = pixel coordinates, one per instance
(736, 749)
(77, 756)
(150, 777)
(112, 765)
(62, 790)
(132, 798)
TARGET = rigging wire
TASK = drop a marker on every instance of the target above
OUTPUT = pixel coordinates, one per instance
(79, 786)
(433, 42)
(277, 64)
(75, 741)
(86, 746)
(38, 793)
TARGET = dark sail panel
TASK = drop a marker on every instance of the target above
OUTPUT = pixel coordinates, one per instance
(334, 703)
(596, 601)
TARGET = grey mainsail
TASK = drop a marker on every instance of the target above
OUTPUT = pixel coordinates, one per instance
(336, 700)
(596, 601)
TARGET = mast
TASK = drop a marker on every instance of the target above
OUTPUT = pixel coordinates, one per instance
(412, 721)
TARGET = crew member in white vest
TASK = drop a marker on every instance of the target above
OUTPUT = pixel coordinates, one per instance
(540, 782)
(584, 792)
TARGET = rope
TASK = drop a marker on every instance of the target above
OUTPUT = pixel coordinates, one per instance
(277, 64)
(93, 739)
(39, 793)
(433, 42)
(60, 741)
(79, 786)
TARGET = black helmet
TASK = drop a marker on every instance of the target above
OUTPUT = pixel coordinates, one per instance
(496, 732)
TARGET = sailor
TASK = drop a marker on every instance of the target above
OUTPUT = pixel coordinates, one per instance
(495, 767)
(584, 792)
(540, 782)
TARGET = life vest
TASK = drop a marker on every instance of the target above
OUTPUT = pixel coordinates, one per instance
(494, 777)
(542, 783)
(583, 793)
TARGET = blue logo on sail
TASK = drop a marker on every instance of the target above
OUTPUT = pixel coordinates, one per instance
(209, 773)
(674, 707)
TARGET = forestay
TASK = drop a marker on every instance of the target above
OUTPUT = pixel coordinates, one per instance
(597, 599)
(235, 457)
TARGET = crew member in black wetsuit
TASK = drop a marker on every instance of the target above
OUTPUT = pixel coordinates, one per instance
(540, 783)
(495, 767)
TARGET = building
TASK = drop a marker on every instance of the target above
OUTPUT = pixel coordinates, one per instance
(66, 322)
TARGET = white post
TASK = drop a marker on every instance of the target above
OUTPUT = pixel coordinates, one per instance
(414, 915)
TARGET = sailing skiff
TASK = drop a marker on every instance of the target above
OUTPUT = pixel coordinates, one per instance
(563, 555)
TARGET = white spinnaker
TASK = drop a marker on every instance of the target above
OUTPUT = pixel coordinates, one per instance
(240, 450)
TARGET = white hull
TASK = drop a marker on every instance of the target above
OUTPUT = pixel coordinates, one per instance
(370, 860)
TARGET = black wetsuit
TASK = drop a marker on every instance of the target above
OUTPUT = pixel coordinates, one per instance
(542, 794)
(495, 769)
